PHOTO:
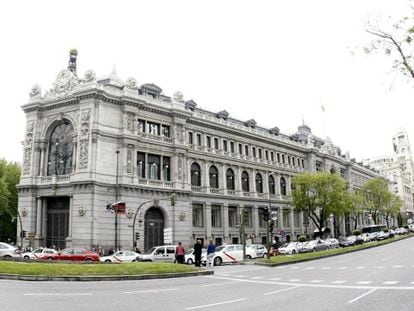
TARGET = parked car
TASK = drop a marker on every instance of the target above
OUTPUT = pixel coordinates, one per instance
(314, 246)
(350, 241)
(382, 235)
(9, 251)
(256, 251)
(74, 254)
(38, 253)
(332, 242)
(230, 253)
(401, 231)
(159, 253)
(120, 256)
(189, 256)
(290, 248)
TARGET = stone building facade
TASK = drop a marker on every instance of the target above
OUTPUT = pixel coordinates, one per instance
(90, 142)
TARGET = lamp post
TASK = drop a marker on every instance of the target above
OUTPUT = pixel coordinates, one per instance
(21, 228)
(116, 199)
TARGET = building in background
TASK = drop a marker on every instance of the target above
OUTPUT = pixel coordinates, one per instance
(398, 170)
(90, 142)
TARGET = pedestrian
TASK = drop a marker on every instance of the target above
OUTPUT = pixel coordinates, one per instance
(197, 253)
(211, 250)
(179, 253)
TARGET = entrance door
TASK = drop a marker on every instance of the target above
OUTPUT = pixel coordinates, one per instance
(153, 228)
(57, 222)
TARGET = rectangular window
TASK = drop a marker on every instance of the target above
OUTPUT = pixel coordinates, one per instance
(260, 153)
(286, 218)
(303, 163)
(199, 140)
(208, 142)
(254, 152)
(165, 131)
(296, 218)
(272, 156)
(246, 150)
(216, 216)
(318, 166)
(283, 159)
(343, 173)
(249, 217)
(232, 147)
(278, 157)
(267, 155)
(141, 164)
(262, 222)
(154, 166)
(154, 128)
(225, 145)
(166, 168)
(240, 149)
(198, 215)
(141, 126)
(233, 216)
(190, 138)
(288, 158)
(216, 143)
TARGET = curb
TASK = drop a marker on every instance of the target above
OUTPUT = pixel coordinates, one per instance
(102, 278)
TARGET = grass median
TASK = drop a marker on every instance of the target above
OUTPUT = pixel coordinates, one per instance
(91, 269)
(286, 259)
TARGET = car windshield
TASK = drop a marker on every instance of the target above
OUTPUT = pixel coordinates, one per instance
(150, 250)
(220, 248)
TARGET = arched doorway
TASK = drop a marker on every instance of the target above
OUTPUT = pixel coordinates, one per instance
(153, 228)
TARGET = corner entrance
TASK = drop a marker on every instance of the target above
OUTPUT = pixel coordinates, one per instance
(57, 222)
(153, 228)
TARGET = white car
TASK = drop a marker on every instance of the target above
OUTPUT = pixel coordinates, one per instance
(290, 248)
(256, 251)
(332, 243)
(159, 253)
(9, 251)
(230, 253)
(189, 256)
(121, 256)
(38, 253)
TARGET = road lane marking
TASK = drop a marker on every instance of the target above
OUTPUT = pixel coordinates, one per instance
(339, 282)
(326, 268)
(363, 295)
(220, 284)
(57, 294)
(380, 267)
(310, 268)
(294, 280)
(316, 281)
(281, 290)
(257, 277)
(364, 282)
(215, 304)
(359, 268)
(390, 282)
(276, 279)
(386, 258)
(151, 291)
(343, 268)
(240, 276)
(397, 266)
(295, 267)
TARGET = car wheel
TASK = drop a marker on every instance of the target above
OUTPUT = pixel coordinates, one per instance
(26, 258)
(249, 257)
(49, 258)
(88, 260)
(190, 261)
(293, 252)
(107, 260)
(218, 261)
(313, 250)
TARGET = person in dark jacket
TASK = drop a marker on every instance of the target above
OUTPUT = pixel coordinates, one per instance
(197, 253)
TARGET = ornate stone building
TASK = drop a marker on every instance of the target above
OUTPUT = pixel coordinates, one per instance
(90, 142)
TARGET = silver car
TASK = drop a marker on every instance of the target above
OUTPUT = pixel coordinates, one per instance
(9, 251)
(38, 253)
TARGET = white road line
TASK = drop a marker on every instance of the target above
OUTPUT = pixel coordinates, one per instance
(390, 282)
(219, 284)
(364, 282)
(295, 267)
(257, 278)
(215, 304)
(151, 291)
(380, 267)
(359, 268)
(276, 279)
(316, 281)
(326, 268)
(294, 280)
(339, 282)
(359, 297)
(386, 258)
(240, 276)
(57, 294)
(280, 291)
(343, 268)
(397, 266)
(310, 268)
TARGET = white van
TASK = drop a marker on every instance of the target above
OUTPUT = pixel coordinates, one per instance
(159, 253)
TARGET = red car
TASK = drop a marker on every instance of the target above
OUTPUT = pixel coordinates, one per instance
(75, 254)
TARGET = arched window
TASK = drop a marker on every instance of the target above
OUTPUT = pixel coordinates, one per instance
(213, 175)
(60, 149)
(195, 175)
(271, 185)
(245, 181)
(259, 183)
(282, 186)
(230, 179)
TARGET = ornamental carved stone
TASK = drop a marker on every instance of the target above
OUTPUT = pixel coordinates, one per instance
(66, 82)
(89, 76)
(35, 91)
(129, 159)
(28, 146)
(131, 83)
(84, 138)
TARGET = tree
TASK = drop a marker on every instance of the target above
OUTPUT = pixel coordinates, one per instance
(9, 178)
(377, 197)
(393, 208)
(395, 39)
(355, 207)
(319, 195)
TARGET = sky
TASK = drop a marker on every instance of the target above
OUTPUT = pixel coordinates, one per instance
(277, 62)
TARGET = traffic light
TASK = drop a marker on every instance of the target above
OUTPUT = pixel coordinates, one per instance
(245, 216)
(271, 226)
(265, 214)
(22, 233)
(136, 236)
(173, 199)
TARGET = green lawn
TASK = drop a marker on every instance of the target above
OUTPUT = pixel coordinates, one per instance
(92, 269)
(284, 259)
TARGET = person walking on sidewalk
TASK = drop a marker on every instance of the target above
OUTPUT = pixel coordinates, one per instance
(197, 253)
(211, 250)
(179, 253)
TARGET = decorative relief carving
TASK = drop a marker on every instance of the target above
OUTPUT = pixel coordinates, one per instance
(129, 159)
(129, 121)
(28, 144)
(35, 91)
(84, 138)
(66, 82)
(180, 166)
(178, 96)
(81, 210)
(89, 76)
(131, 83)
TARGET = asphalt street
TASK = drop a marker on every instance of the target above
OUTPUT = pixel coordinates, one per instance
(380, 278)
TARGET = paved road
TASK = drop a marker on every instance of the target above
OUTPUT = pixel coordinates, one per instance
(381, 278)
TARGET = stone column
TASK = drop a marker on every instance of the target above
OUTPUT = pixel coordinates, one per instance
(225, 209)
(208, 220)
(292, 223)
(38, 217)
(255, 211)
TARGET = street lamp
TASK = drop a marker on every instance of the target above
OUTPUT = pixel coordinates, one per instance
(21, 228)
(116, 199)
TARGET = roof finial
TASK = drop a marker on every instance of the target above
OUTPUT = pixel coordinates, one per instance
(72, 61)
